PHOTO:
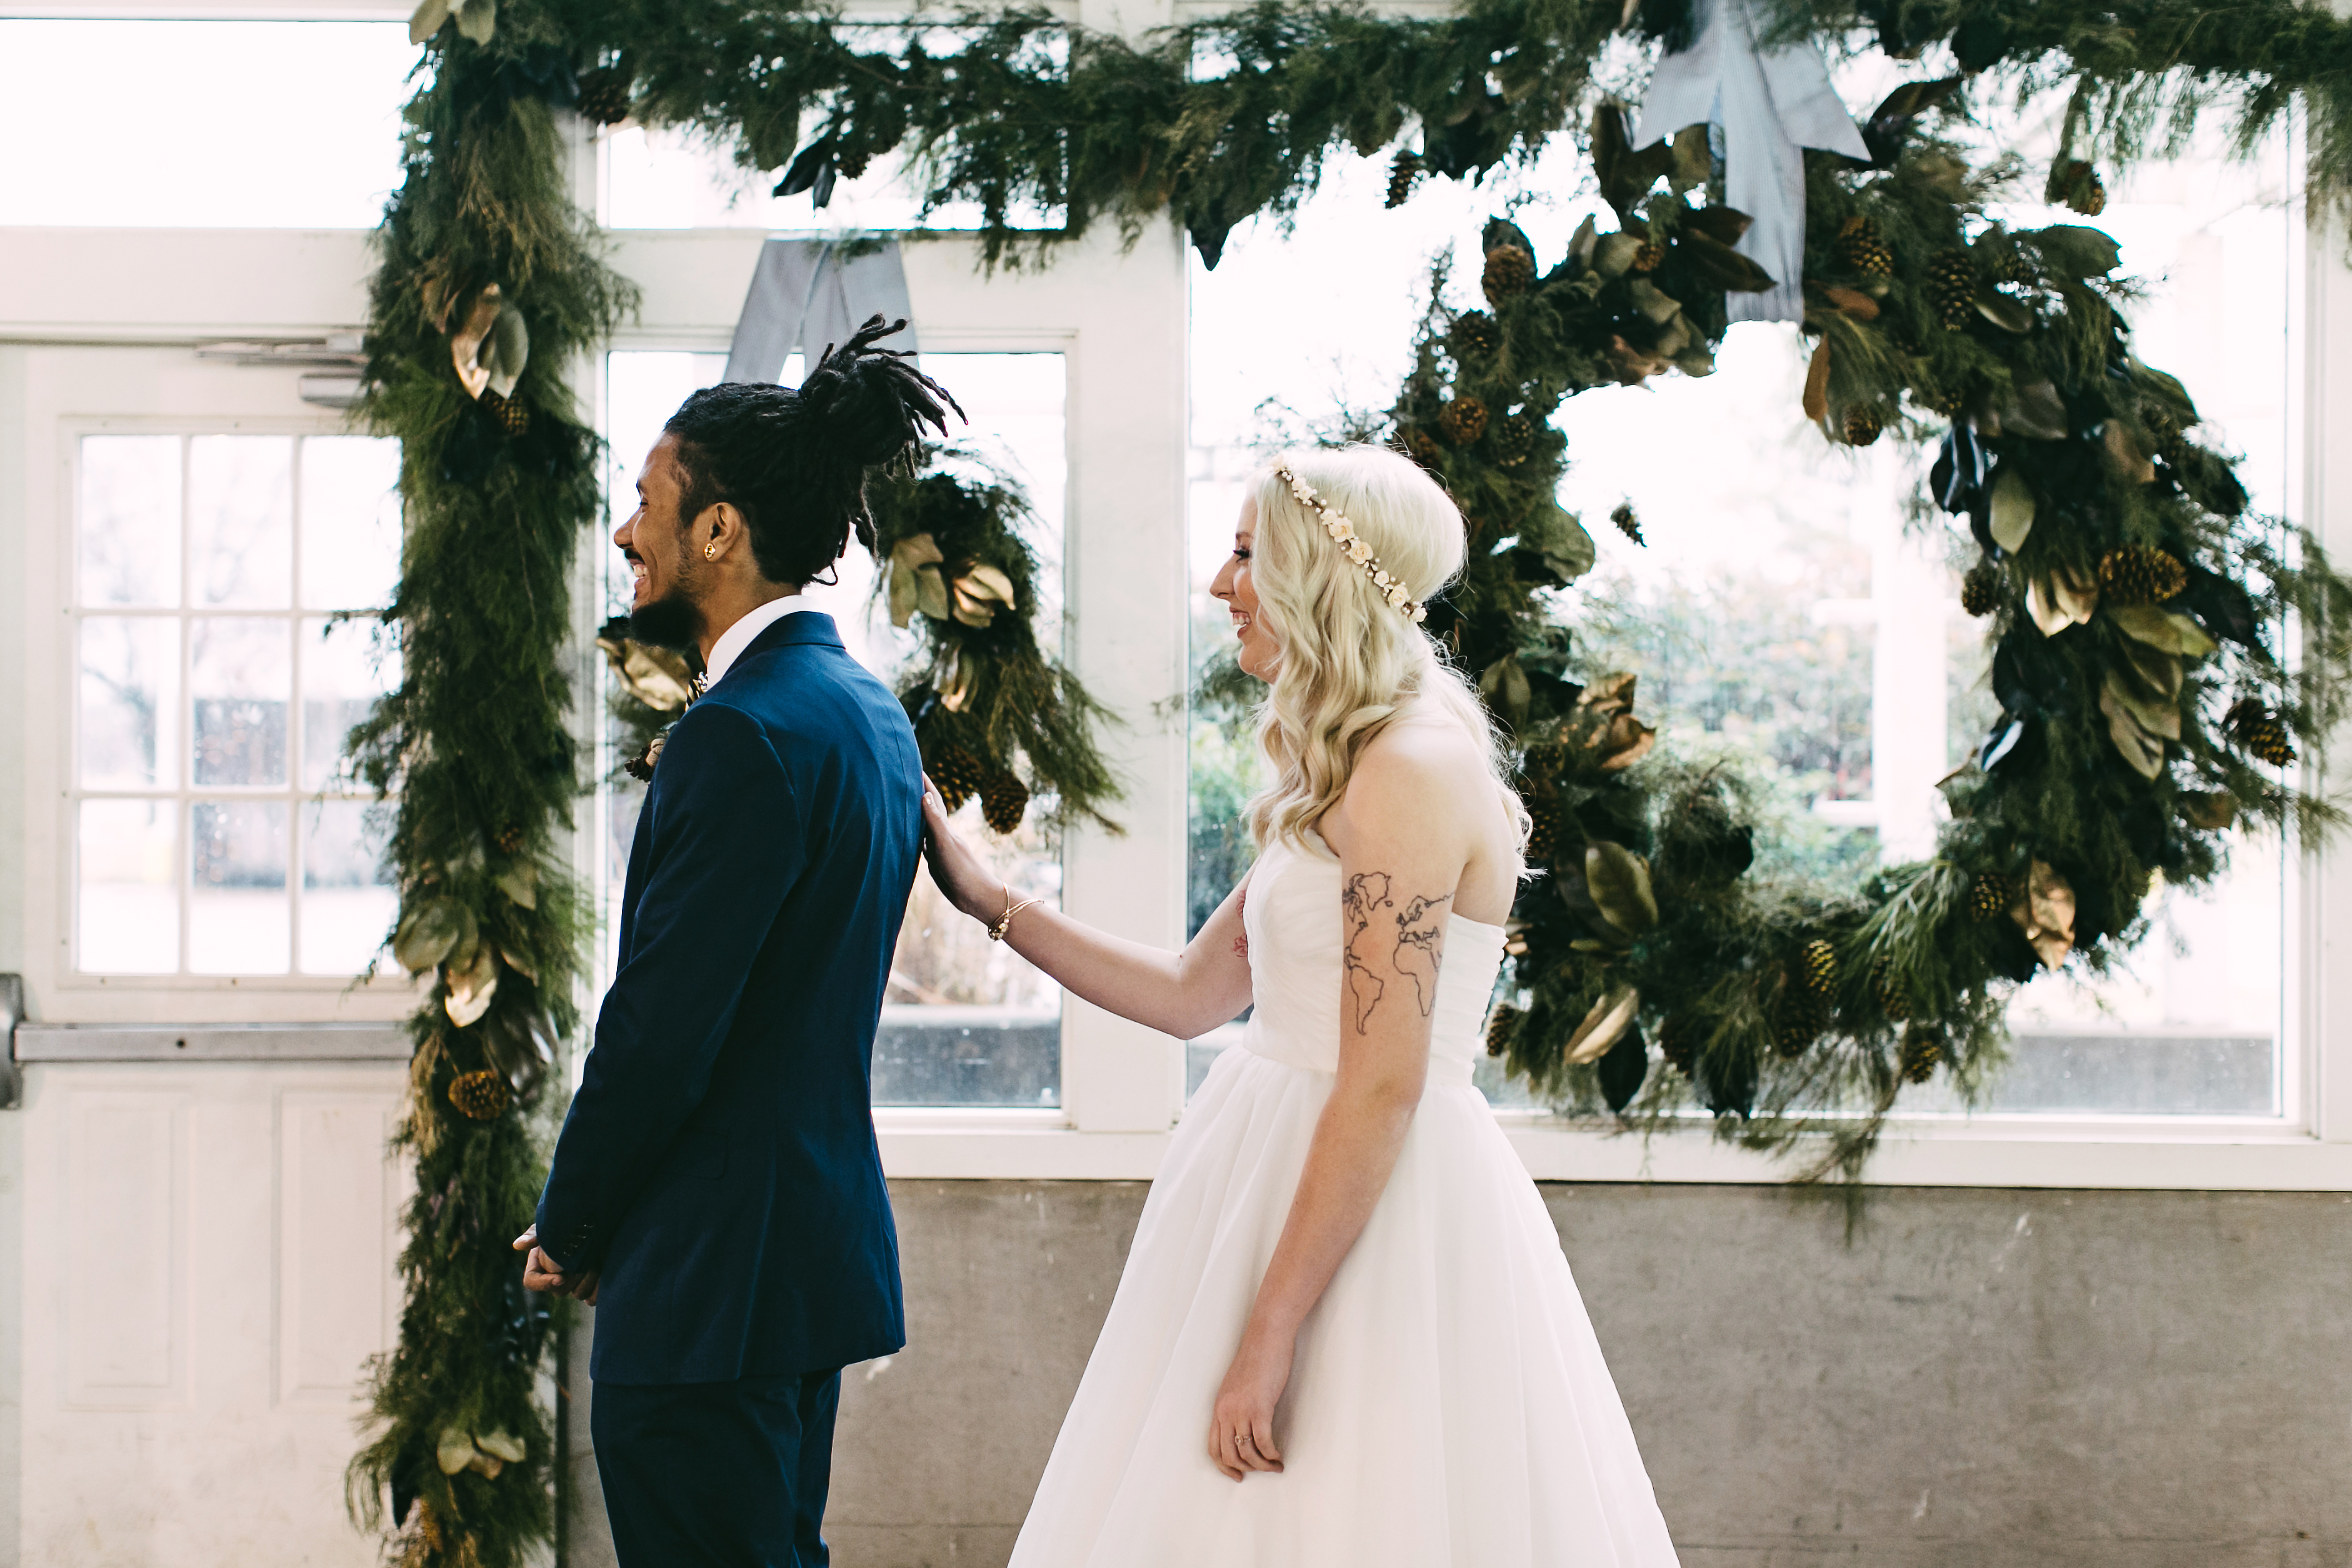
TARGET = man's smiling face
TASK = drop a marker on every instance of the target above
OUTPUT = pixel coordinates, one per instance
(663, 608)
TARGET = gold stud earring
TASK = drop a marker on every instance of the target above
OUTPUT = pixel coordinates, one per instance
(710, 551)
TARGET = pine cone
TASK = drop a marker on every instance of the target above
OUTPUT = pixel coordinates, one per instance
(1801, 1018)
(2140, 574)
(1500, 1027)
(1475, 332)
(509, 838)
(1820, 967)
(1860, 248)
(1404, 174)
(1922, 1049)
(1888, 988)
(1514, 439)
(1952, 288)
(1650, 257)
(1988, 896)
(512, 414)
(1627, 523)
(1543, 829)
(2260, 731)
(1421, 446)
(604, 95)
(1509, 270)
(1003, 799)
(2075, 183)
(1861, 425)
(1981, 589)
(1464, 419)
(1675, 1044)
(481, 1096)
(958, 774)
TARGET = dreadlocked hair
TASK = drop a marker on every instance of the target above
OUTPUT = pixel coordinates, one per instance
(795, 462)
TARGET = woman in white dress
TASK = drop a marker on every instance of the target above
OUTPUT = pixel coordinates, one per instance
(1345, 1294)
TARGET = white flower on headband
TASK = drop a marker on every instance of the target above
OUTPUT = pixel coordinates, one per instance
(1343, 533)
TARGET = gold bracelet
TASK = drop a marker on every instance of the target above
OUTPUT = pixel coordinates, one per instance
(1004, 921)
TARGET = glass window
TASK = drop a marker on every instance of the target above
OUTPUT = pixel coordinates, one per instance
(275, 124)
(216, 830)
(1787, 605)
(966, 1021)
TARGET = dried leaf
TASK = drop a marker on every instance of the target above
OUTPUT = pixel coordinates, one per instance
(1853, 302)
(466, 343)
(915, 579)
(470, 990)
(1503, 683)
(2059, 599)
(1655, 303)
(454, 1451)
(426, 19)
(2125, 457)
(1619, 882)
(1609, 1018)
(2046, 913)
(504, 1445)
(521, 886)
(428, 933)
(1614, 255)
(2169, 631)
(2003, 312)
(2012, 510)
(1816, 401)
(2212, 812)
(2144, 752)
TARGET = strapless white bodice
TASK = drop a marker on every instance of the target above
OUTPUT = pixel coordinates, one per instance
(1296, 932)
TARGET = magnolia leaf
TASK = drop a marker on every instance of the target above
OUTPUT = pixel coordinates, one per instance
(2059, 599)
(2212, 811)
(2168, 630)
(1726, 267)
(486, 1465)
(1724, 226)
(1618, 881)
(1693, 158)
(426, 19)
(470, 990)
(2012, 509)
(2142, 751)
(1613, 256)
(466, 343)
(1592, 944)
(1581, 243)
(429, 931)
(1622, 1069)
(2008, 315)
(1504, 684)
(1699, 362)
(477, 19)
(1609, 1018)
(506, 351)
(1653, 302)
(454, 1451)
(2155, 678)
(515, 961)
(2037, 410)
(2125, 458)
(1675, 337)
(2076, 251)
(1816, 398)
(658, 677)
(2046, 913)
(1610, 693)
(504, 1445)
(521, 886)
(1853, 302)
(1626, 741)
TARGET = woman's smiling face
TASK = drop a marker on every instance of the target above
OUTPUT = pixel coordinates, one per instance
(1259, 653)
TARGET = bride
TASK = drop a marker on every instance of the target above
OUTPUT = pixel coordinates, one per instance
(1344, 1294)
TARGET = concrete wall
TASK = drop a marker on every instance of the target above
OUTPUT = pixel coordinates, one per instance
(2012, 1378)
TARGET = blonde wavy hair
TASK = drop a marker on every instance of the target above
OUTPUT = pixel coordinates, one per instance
(1351, 664)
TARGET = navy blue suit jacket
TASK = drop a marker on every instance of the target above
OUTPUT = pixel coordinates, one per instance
(719, 1163)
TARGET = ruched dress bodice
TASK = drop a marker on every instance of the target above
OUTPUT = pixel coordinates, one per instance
(1297, 931)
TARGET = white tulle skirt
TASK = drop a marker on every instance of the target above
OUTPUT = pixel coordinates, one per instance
(1449, 1406)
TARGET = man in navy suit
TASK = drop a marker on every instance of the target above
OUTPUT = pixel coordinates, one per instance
(717, 1191)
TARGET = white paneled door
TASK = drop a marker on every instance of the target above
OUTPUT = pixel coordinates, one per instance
(207, 1267)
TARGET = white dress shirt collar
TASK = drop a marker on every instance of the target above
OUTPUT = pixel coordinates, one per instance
(738, 637)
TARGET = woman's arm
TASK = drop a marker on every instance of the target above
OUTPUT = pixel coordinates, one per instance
(1403, 849)
(1183, 993)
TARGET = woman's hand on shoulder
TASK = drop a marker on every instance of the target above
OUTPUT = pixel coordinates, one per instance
(955, 865)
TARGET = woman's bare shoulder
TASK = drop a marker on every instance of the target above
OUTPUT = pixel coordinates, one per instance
(1421, 762)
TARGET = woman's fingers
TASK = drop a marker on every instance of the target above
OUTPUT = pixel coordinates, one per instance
(1259, 1445)
(1222, 1450)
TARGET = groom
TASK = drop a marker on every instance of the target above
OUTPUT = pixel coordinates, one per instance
(717, 1191)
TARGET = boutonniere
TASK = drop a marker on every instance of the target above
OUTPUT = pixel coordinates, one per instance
(641, 767)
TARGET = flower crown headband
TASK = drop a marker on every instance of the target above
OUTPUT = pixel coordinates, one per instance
(1343, 534)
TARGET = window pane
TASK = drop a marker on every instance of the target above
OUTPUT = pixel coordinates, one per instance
(351, 521)
(241, 520)
(128, 526)
(240, 672)
(348, 901)
(239, 917)
(346, 666)
(129, 702)
(126, 895)
(272, 124)
(966, 1021)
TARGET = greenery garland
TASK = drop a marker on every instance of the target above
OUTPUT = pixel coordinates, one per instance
(2135, 605)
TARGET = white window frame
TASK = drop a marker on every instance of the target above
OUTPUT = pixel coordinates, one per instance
(1118, 316)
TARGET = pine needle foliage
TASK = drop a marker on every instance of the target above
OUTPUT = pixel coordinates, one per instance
(475, 746)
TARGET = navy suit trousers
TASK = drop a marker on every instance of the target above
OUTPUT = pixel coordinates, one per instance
(717, 1475)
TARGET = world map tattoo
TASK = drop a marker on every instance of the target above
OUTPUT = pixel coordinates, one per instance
(1420, 941)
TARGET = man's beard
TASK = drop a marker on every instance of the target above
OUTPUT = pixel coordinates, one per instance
(672, 620)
